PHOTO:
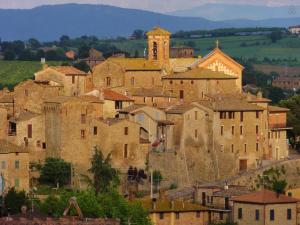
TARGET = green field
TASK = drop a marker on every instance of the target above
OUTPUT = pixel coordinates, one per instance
(13, 72)
(256, 47)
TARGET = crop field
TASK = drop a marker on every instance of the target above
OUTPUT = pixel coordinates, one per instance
(258, 47)
(13, 72)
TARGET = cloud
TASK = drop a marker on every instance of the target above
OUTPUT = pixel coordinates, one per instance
(152, 5)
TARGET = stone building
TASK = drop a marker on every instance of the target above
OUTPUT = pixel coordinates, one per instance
(264, 207)
(164, 212)
(287, 83)
(14, 166)
(181, 52)
(72, 79)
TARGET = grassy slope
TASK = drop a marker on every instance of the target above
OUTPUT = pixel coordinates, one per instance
(13, 72)
(283, 49)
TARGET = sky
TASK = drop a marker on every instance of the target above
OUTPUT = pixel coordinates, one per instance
(152, 5)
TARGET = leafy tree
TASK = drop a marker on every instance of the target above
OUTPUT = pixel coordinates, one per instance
(55, 171)
(276, 94)
(293, 116)
(272, 179)
(138, 34)
(64, 40)
(33, 43)
(26, 55)
(83, 51)
(157, 178)
(9, 55)
(82, 65)
(14, 200)
(104, 177)
(275, 36)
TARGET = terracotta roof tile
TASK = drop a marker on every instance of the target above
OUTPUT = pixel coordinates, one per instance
(180, 108)
(115, 96)
(198, 74)
(68, 70)
(277, 109)
(264, 197)
(158, 31)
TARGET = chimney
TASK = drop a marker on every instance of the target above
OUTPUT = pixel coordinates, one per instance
(259, 95)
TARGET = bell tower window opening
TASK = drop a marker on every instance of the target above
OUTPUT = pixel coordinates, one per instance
(154, 50)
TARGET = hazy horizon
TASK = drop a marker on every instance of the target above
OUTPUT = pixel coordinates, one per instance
(152, 5)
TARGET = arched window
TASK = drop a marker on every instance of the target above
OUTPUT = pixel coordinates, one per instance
(154, 50)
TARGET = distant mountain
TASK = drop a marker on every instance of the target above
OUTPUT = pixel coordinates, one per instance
(220, 12)
(48, 23)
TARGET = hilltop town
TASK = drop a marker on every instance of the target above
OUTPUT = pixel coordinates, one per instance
(187, 118)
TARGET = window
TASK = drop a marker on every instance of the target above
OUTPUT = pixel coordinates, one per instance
(17, 164)
(198, 214)
(44, 145)
(181, 94)
(256, 129)
(290, 194)
(257, 147)
(256, 214)
(222, 148)
(3, 165)
(132, 81)
(154, 50)
(241, 130)
(232, 148)
(29, 130)
(181, 82)
(125, 130)
(118, 104)
(242, 117)
(272, 215)
(83, 118)
(95, 130)
(196, 133)
(196, 115)
(161, 216)
(289, 214)
(245, 147)
(240, 213)
(177, 215)
(144, 99)
(232, 130)
(26, 93)
(82, 134)
(257, 114)
(231, 115)
(141, 117)
(17, 182)
(38, 143)
(221, 215)
(192, 82)
(73, 79)
(108, 81)
(222, 130)
(171, 82)
(222, 115)
(126, 151)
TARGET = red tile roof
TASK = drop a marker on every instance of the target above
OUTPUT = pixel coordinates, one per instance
(264, 197)
(115, 96)
(68, 70)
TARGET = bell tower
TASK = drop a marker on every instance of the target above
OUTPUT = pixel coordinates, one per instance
(159, 46)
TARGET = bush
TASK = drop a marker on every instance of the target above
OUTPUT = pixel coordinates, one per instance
(14, 200)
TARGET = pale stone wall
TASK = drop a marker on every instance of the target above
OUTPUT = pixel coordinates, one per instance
(143, 79)
(13, 175)
(264, 214)
(169, 218)
(163, 49)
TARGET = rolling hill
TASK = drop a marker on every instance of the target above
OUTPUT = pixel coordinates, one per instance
(50, 22)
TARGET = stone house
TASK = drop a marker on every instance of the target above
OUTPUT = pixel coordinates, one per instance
(264, 207)
(154, 125)
(164, 212)
(181, 52)
(71, 79)
(14, 165)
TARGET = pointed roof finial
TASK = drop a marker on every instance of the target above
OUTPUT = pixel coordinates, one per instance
(217, 44)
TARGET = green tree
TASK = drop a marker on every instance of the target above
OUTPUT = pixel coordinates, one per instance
(14, 200)
(55, 171)
(272, 179)
(157, 178)
(276, 94)
(138, 34)
(275, 36)
(293, 116)
(9, 55)
(83, 51)
(104, 177)
(33, 43)
(83, 66)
